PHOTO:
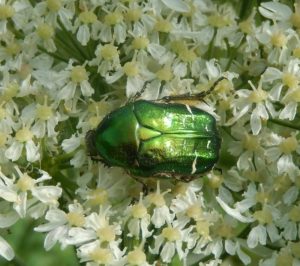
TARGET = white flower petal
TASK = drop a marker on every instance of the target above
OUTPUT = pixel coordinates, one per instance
(255, 122)
(83, 34)
(273, 232)
(71, 144)
(8, 194)
(230, 246)
(54, 236)
(78, 236)
(21, 205)
(115, 76)
(8, 219)
(290, 231)
(133, 85)
(157, 51)
(32, 151)
(289, 111)
(177, 5)
(86, 88)
(47, 194)
(243, 257)
(5, 250)
(291, 195)
(285, 163)
(234, 212)
(257, 235)
(275, 11)
(167, 252)
(14, 151)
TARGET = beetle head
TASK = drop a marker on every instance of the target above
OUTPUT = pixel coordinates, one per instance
(90, 144)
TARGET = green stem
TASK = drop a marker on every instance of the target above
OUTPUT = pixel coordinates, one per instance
(285, 123)
(233, 52)
(54, 55)
(211, 44)
(74, 40)
(226, 130)
(68, 49)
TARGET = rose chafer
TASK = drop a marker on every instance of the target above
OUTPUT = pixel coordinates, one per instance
(157, 139)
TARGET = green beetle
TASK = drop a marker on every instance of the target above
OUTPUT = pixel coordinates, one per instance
(157, 139)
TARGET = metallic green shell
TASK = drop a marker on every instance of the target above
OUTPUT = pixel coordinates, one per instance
(158, 139)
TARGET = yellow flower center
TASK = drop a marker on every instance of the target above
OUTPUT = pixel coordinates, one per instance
(94, 121)
(101, 255)
(140, 43)
(194, 212)
(225, 105)
(2, 113)
(87, 17)
(139, 211)
(171, 234)
(133, 15)
(282, 183)
(294, 214)
(25, 183)
(10, 91)
(131, 69)
(78, 74)
(12, 48)
(289, 80)
(24, 135)
(180, 189)
(53, 5)
(251, 143)
(106, 233)
(109, 52)
(156, 199)
(163, 25)
(113, 18)
(215, 181)
(288, 145)
(258, 96)
(219, 21)
(164, 74)
(178, 46)
(75, 219)
(6, 12)
(246, 26)
(295, 19)
(296, 52)
(284, 258)
(278, 39)
(45, 31)
(187, 55)
(44, 112)
(98, 196)
(202, 228)
(225, 230)
(263, 216)
(262, 197)
(3, 139)
(136, 257)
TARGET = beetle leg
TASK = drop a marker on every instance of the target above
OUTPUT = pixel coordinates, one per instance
(138, 94)
(189, 96)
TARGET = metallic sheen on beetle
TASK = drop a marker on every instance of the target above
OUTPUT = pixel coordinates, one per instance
(155, 139)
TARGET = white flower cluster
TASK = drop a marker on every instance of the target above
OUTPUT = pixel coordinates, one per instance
(65, 64)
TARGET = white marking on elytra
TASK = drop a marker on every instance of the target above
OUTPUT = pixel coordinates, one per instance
(208, 144)
(190, 111)
(194, 168)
